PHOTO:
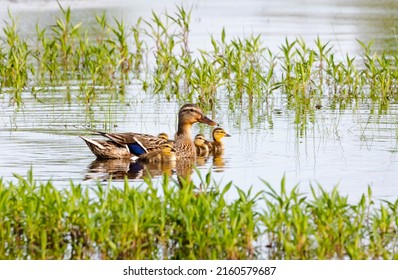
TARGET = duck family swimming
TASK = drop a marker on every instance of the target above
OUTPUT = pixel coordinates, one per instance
(130, 144)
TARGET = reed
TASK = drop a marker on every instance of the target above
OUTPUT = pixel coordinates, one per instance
(166, 221)
(14, 61)
(157, 54)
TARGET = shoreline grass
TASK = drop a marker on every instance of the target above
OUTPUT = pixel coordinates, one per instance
(39, 221)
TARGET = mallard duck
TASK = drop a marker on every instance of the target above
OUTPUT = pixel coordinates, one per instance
(165, 154)
(202, 148)
(136, 144)
(188, 115)
(217, 146)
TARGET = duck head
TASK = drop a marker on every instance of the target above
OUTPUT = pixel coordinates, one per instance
(191, 113)
(163, 135)
(219, 133)
(199, 140)
(167, 148)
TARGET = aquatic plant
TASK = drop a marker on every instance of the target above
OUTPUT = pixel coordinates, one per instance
(166, 221)
(14, 61)
(156, 54)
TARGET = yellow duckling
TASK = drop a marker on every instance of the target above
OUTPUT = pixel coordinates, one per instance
(165, 154)
(217, 146)
(202, 148)
(163, 135)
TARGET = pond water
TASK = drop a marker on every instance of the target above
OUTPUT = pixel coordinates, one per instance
(352, 148)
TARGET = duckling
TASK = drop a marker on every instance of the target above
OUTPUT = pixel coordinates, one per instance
(163, 135)
(166, 154)
(202, 149)
(217, 146)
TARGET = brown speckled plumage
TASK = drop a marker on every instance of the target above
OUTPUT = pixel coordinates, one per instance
(107, 149)
(183, 144)
(147, 141)
(188, 115)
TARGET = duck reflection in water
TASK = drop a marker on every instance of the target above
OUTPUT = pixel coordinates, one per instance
(119, 169)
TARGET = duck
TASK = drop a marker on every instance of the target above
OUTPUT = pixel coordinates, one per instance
(216, 147)
(202, 147)
(165, 154)
(188, 115)
(132, 145)
(163, 135)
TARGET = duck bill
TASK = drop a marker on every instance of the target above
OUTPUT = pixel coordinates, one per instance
(208, 121)
(227, 135)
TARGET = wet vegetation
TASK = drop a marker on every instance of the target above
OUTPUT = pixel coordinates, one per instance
(40, 221)
(155, 53)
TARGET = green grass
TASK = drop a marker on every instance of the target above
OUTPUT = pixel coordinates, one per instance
(156, 54)
(166, 221)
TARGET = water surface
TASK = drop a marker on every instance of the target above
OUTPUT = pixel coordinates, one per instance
(352, 147)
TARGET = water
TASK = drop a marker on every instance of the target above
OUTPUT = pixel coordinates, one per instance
(351, 148)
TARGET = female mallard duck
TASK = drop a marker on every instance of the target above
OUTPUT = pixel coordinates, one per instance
(165, 154)
(202, 148)
(217, 146)
(188, 115)
(136, 144)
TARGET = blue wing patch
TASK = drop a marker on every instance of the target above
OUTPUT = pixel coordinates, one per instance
(136, 149)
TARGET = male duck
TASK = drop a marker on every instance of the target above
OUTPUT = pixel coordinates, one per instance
(129, 144)
(202, 148)
(217, 146)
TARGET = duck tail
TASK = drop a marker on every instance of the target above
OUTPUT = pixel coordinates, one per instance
(92, 142)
